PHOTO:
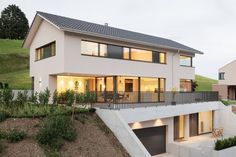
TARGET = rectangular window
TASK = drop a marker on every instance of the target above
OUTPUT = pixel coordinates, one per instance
(46, 51)
(159, 57)
(162, 58)
(149, 89)
(89, 48)
(126, 52)
(221, 76)
(141, 55)
(186, 61)
(114, 52)
(103, 50)
(185, 85)
(120, 52)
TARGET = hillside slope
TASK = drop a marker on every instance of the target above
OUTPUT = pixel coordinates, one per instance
(204, 83)
(14, 64)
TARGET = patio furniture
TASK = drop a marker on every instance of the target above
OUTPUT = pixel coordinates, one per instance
(217, 132)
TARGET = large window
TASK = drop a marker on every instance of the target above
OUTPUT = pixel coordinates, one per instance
(89, 48)
(120, 52)
(46, 51)
(186, 61)
(149, 89)
(141, 55)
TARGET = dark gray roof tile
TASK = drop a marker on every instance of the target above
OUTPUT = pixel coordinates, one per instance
(78, 25)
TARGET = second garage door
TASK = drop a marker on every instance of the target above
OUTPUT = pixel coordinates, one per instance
(153, 139)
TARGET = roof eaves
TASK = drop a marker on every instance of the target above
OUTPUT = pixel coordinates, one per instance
(127, 40)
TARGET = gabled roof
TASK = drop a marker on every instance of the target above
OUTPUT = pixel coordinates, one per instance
(78, 26)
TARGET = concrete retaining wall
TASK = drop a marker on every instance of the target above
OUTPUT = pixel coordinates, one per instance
(123, 132)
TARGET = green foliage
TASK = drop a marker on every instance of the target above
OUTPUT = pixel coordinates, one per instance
(7, 97)
(3, 115)
(81, 117)
(92, 110)
(66, 97)
(15, 136)
(86, 98)
(3, 134)
(34, 98)
(225, 143)
(228, 102)
(55, 97)
(22, 98)
(44, 96)
(13, 23)
(204, 83)
(55, 130)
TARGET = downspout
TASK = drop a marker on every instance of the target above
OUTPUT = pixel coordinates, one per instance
(173, 67)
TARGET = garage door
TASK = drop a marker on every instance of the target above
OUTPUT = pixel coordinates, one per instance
(153, 139)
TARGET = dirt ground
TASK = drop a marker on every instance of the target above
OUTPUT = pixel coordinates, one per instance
(93, 140)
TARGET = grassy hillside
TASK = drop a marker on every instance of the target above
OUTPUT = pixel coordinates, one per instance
(14, 64)
(204, 83)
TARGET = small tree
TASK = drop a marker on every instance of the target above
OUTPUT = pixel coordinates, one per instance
(194, 86)
(13, 23)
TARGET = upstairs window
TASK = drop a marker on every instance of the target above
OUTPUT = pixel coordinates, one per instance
(89, 48)
(119, 52)
(221, 76)
(45, 51)
(186, 61)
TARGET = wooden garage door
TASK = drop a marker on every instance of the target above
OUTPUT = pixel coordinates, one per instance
(153, 139)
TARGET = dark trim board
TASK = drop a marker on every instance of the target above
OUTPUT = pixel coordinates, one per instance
(153, 139)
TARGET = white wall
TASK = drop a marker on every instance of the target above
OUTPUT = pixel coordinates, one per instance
(69, 61)
(148, 113)
(41, 69)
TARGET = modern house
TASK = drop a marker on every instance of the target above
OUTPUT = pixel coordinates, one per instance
(227, 81)
(142, 83)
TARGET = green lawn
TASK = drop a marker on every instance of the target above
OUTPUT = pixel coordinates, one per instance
(204, 83)
(17, 80)
(14, 64)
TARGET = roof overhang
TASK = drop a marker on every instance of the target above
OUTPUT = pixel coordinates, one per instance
(39, 18)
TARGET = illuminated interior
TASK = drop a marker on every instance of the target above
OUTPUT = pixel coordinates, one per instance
(185, 85)
(79, 84)
(205, 122)
(142, 55)
(179, 126)
(149, 89)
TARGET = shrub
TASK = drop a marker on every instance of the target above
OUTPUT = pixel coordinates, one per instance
(225, 143)
(7, 96)
(3, 134)
(2, 148)
(55, 130)
(67, 97)
(55, 97)
(81, 117)
(44, 96)
(22, 97)
(92, 110)
(3, 115)
(34, 98)
(15, 136)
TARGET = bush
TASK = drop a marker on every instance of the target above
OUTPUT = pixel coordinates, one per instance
(225, 143)
(15, 136)
(22, 97)
(34, 98)
(81, 117)
(55, 130)
(92, 110)
(55, 97)
(44, 96)
(7, 96)
(2, 148)
(3, 115)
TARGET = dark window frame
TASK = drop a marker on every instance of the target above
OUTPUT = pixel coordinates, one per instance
(41, 47)
(191, 61)
(153, 51)
(221, 75)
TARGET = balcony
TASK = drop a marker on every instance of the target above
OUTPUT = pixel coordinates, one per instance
(123, 100)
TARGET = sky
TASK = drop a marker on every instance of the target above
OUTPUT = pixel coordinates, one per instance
(205, 25)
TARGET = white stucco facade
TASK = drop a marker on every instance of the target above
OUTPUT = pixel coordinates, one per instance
(69, 61)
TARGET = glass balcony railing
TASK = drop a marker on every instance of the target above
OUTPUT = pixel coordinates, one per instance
(131, 99)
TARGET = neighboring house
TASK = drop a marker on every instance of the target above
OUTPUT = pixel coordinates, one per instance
(227, 81)
(135, 77)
